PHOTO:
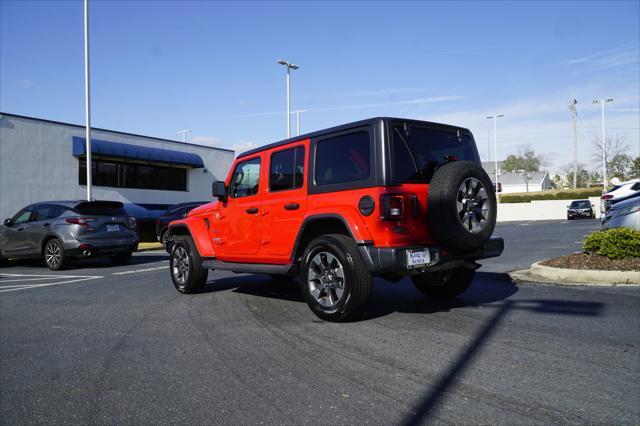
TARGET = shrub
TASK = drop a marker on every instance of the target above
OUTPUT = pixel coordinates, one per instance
(616, 243)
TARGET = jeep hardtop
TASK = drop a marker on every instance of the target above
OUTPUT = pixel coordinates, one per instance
(385, 197)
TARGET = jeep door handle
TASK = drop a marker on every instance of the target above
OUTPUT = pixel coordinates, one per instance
(292, 206)
(252, 210)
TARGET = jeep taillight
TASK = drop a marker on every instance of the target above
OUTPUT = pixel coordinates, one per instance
(392, 207)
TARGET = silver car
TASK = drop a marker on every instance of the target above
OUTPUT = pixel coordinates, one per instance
(625, 214)
(59, 231)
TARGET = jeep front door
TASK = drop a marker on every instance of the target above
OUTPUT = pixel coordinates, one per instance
(237, 228)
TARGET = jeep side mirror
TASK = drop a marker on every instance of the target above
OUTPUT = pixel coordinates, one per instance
(219, 190)
(8, 222)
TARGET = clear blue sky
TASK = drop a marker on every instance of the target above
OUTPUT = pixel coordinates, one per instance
(211, 67)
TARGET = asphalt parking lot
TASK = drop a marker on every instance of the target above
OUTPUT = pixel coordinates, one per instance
(113, 345)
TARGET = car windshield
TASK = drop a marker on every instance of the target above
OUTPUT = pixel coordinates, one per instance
(418, 151)
(580, 205)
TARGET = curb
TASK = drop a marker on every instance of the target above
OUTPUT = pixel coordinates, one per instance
(579, 276)
(159, 247)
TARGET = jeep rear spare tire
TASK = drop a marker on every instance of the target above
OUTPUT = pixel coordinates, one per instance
(461, 206)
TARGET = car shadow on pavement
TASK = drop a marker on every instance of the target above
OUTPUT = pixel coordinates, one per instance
(387, 297)
(434, 396)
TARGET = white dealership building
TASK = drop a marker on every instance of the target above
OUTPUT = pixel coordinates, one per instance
(44, 160)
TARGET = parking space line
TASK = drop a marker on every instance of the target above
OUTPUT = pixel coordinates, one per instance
(140, 270)
(53, 277)
(5, 289)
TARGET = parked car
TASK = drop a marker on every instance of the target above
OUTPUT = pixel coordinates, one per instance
(380, 197)
(580, 208)
(145, 216)
(625, 214)
(59, 231)
(619, 192)
(177, 211)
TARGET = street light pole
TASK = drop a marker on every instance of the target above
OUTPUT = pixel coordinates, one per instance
(574, 113)
(184, 132)
(495, 143)
(87, 99)
(289, 66)
(604, 143)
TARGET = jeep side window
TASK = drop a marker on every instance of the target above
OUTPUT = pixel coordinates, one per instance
(344, 158)
(245, 179)
(287, 169)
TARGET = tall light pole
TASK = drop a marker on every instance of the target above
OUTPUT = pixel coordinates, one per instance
(289, 66)
(297, 113)
(495, 143)
(574, 113)
(87, 99)
(604, 143)
(184, 132)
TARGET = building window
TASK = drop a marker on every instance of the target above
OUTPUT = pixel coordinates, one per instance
(118, 174)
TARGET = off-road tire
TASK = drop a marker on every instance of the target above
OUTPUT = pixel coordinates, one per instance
(195, 276)
(445, 223)
(444, 284)
(121, 258)
(54, 255)
(356, 285)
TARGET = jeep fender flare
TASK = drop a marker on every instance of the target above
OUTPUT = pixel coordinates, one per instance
(356, 229)
(197, 229)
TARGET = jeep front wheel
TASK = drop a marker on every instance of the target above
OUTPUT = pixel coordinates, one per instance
(334, 280)
(443, 284)
(185, 264)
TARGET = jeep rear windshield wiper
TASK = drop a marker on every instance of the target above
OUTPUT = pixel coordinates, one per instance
(406, 144)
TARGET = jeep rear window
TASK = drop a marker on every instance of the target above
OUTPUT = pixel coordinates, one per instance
(344, 158)
(287, 169)
(419, 151)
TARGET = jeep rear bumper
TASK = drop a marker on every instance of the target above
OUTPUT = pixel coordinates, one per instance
(393, 260)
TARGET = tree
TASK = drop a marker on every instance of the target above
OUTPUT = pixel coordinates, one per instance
(634, 172)
(620, 166)
(615, 147)
(526, 161)
(584, 177)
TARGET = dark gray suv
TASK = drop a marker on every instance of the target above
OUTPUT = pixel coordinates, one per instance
(59, 231)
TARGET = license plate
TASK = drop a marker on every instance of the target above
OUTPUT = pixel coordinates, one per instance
(417, 258)
(113, 228)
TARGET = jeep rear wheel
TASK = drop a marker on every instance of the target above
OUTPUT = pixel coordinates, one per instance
(462, 206)
(185, 264)
(334, 280)
(444, 284)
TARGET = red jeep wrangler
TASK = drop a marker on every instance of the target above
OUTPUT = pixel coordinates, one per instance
(385, 196)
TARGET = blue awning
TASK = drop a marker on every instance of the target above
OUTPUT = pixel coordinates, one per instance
(136, 152)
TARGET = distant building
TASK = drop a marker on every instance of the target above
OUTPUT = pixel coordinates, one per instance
(44, 160)
(524, 182)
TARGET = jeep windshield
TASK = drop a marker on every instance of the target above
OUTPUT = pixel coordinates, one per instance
(417, 151)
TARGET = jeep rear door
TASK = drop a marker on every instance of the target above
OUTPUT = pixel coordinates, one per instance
(284, 203)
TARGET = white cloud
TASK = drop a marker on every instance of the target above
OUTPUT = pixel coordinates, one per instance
(207, 141)
(544, 122)
(242, 146)
(621, 55)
